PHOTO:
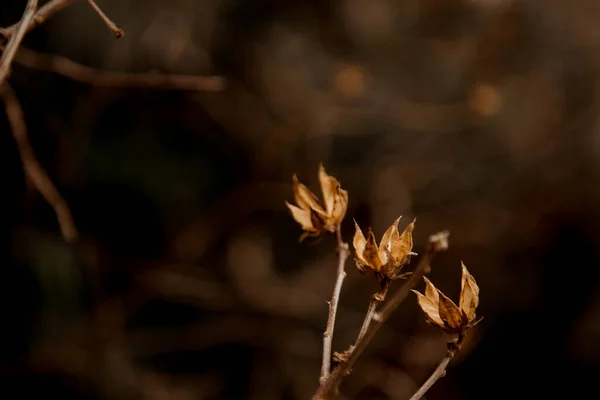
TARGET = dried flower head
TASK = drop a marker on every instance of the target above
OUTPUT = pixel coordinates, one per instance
(387, 259)
(313, 217)
(443, 313)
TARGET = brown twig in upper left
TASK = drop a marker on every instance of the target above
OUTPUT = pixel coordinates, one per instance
(91, 76)
(33, 170)
(9, 52)
(40, 16)
(118, 32)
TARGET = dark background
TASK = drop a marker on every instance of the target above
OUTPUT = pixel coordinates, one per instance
(475, 116)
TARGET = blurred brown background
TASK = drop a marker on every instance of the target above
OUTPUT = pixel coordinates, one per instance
(477, 116)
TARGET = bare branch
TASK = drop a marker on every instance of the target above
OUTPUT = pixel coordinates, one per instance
(33, 170)
(81, 73)
(376, 299)
(343, 254)
(440, 371)
(9, 52)
(118, 32)
(40, 16)
(329, 388)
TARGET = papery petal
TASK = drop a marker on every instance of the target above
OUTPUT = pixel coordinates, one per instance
(431, 291)
(306, 199)
(430, 309)
(303, 217)
(402, 246)
(371, 253)
(340, 206)
(359, 241)
(449, 312)
(330, 188)
(388, 237)
(469, 293)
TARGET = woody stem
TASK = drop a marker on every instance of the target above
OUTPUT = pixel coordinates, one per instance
(440, 371)
(329, 387)
(376, 299)
(343, 253)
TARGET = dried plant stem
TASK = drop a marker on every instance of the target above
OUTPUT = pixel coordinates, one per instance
(376, 299)
(440, 371)
(118, 32)
(9, 52)
(84, 74)
(330, 386)
(33, 170)
(343, 253)
(40, 16)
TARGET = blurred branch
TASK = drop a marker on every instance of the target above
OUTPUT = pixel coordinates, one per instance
(118, 32)
(9, 52)
(40, 16)
(33, 170)
(179, 286)
(198, 238)
(343, 254)
(329, 388)
(84, 74)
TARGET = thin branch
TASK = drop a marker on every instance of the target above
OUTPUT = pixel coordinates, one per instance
(81, 73)
(329, 388)
(343, 254)
(440, 371)
(40, 16)
(33, 170)
(376, 299)
(118, 32)
(9, 52)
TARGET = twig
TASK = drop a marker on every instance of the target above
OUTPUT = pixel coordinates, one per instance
(40, 16)
(118, 32)
(376, 299)
(33, 170)
(9, 52)
(343, 254)
(329, 388)
(81, 73)
(440, 371)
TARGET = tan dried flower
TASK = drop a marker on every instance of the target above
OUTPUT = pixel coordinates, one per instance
(443, 313)
(387, 260)
(313, 217)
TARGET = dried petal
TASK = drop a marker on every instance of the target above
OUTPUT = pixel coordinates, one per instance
(371, 253)
(450, 313)
(334, 197)
(402, 246)
(431, 291)
(340, 206)
(303, 217)
(306, 199)
(359, 243)
(469, 294)
(430, 309)
(329, 187)
(388, 237)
